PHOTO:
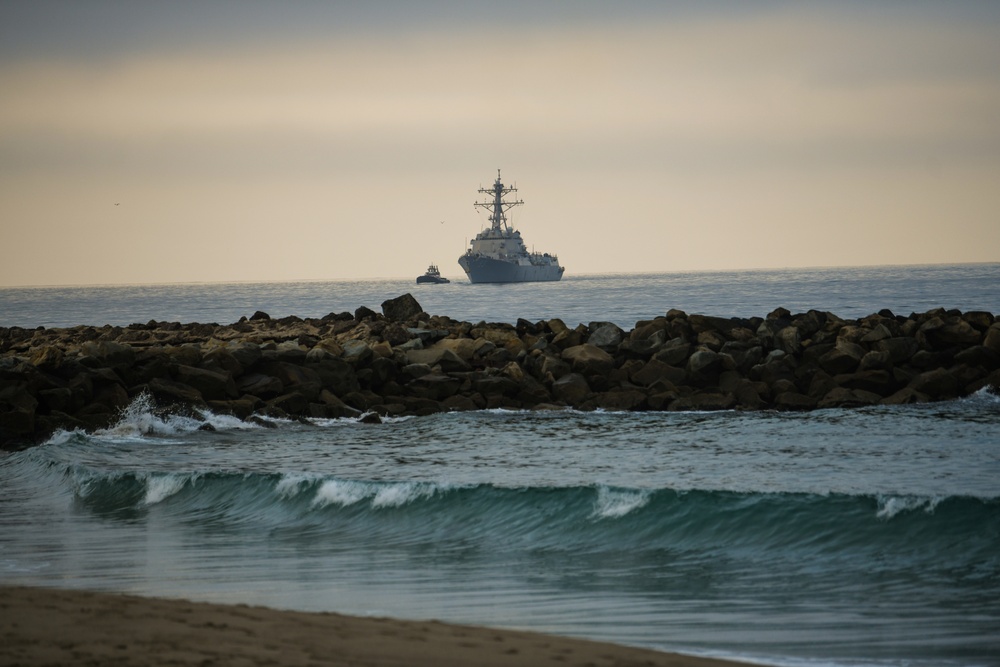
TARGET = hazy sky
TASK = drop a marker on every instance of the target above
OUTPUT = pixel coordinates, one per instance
(231, 141)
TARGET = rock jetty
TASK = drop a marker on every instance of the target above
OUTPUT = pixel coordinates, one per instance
(403, 361)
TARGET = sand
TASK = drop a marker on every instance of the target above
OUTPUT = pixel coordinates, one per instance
(42, 626)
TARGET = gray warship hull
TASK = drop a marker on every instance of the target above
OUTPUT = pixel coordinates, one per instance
(489, 270)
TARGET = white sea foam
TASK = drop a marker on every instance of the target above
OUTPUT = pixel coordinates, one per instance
(395, 495)
(614, 503)
(141, 418)
(291, 484)
(161, 487)
(341, 492)
(890, 506)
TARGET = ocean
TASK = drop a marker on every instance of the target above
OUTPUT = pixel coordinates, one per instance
(828, 538)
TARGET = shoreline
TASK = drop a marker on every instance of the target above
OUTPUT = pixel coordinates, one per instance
(405, 362)
(42, 626)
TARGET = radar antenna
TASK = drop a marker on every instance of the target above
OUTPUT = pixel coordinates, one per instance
(497, 204)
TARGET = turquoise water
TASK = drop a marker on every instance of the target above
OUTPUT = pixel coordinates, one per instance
(834, 537)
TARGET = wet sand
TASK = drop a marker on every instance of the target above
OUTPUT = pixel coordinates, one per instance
(42, 626)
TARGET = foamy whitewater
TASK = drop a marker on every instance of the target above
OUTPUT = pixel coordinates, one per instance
(834, 537)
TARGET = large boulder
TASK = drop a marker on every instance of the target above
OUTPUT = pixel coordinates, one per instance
(401, 308)
(571, 388)
(588, 359)
(607, 337)
(212, 385)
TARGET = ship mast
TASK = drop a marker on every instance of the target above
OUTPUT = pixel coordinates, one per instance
(499, 206)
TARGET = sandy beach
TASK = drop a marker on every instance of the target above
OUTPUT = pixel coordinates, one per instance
(43, 626)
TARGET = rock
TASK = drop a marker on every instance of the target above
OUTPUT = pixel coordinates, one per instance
(259, 316)
(674, 352)
(293, 402)
(246, 354)
(992, 338)
(571, 388)
(496, 385)
(221, 360)
(170, 391)
(109, 353)
(211, 385)
(900, 349)
(588, 359)
(840, 360)
(791, 400)
(438, 356)
(654, 371)
(401, 308)
(260, 385)
(842, 397)
(336, 408)
(433, 386)
(370, 418)
(879, 382)
(365, 313)
(48, 358)
(357, 352)
(705, 363)
(607, 337)
(618, 400)
(906, 396)
(937, 383)
(241, 408)
(554, 367)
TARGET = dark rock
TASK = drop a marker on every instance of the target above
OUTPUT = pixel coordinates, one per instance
(259, 315)
(607, 337)
(365, 313)
(705, 363)
(242, 408)
(401, 308)
(842, 397)
(433, 386)
(211, 385)
(674, 352)
(937, 383)
(617, 400)
(588, 359)
(900, 349)
(906, 396)
(655, 371)
(258, 384)
(878, 382)
(169, 391)
(294, 403)
(842, 359)
(571, 388)
(48, 358)
(791, 400)
(370, 418)
(992, 338)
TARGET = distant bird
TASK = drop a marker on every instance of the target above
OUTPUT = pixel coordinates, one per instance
(116, 203)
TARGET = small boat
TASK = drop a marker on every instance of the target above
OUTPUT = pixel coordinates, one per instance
(432, 276)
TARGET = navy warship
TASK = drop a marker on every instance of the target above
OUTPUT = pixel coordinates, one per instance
(497, 254)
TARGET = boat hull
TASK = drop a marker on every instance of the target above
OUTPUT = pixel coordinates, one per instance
(489, 270)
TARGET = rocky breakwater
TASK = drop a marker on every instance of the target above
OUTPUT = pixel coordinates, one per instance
(405, 362)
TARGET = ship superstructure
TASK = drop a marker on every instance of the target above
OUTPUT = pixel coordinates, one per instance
(498, 254)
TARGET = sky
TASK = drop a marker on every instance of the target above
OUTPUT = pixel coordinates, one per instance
(248, 141)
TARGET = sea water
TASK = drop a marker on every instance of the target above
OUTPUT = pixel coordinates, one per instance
(834, 537)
